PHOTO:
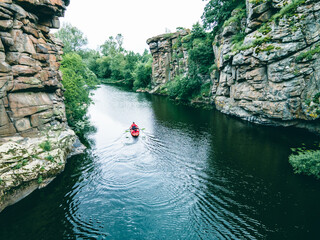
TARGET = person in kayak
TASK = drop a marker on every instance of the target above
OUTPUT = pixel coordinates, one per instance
(134, 126)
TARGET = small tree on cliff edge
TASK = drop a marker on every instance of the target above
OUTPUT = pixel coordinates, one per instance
(216, 12)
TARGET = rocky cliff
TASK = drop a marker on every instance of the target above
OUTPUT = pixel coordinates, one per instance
(267, 63)
(169, 57)
(34, 136)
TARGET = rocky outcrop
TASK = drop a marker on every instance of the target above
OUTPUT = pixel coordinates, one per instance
(273, 77)
(32, 111)
(266, 63)
(169, 57)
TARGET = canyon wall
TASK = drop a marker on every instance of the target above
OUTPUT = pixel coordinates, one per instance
(169, 58)
(272, 75)
(34, 136)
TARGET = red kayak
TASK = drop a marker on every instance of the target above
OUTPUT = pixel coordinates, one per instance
(134, 133)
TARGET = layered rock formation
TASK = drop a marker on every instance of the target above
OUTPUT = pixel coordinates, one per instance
(274, 77)
(270, 77)
(32, 111)
(169, 57)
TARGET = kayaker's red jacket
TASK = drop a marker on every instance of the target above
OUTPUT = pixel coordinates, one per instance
(134, 125)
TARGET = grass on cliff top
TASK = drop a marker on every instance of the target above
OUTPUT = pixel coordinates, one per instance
(288, 9)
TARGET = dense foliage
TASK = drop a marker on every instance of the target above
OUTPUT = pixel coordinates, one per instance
(216, 12)
(306, 162)
(116, 65)
(72, 38)
(78, 80)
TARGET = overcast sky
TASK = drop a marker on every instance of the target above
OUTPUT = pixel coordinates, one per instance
(136, 20)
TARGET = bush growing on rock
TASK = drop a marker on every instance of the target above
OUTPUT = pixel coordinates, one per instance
(216, 12)
(306, 162)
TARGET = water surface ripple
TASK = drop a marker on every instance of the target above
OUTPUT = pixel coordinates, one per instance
(191, 174)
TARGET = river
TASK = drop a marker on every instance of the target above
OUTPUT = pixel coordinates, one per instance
(191, 174)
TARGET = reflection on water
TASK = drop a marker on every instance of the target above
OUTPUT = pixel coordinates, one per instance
(191, 174)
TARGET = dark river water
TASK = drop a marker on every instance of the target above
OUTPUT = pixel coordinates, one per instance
(191, 174)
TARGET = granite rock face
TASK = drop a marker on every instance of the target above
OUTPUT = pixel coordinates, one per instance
(31, 97)
(169, 58)
(30, 87)
(274, 78)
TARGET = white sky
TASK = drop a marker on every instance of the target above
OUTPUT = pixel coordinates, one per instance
(136, 20)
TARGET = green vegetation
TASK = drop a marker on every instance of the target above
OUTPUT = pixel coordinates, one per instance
(289, 9)
(49, 158)
(78, 80)
(239, 13)
(216, 12)
(187, 85)
(40, 180)
(116, 65)
(72, 38)
(18, 166)
(308, 55)
(257, 42)
(1, 181)
(306, 162)
(183, 87)
(46, 145)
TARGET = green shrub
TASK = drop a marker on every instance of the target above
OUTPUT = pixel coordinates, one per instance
(316, 98)
(40, 180)
(239, 37)
(49, 158)
(46, 145)
(18, 166)
(142, 75)
(216, 12)
(78, 80)
(183, 87)
(240, 13)
(265, 28)
(103, 69)
(205, 90)
(306, 162)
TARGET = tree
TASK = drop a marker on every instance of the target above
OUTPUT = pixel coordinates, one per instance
(112, 46)
(72, 38)
(142, 74)
(218, 11)
(77, 81)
